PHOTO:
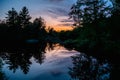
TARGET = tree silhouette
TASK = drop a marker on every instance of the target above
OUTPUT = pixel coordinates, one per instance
(97, 35)
(39, 23)
(18, 27)
(87, 11)
(12, 19)
(24, 17)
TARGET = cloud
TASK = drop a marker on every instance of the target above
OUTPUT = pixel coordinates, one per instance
(66, 20)
(57, 12)
(65, 24)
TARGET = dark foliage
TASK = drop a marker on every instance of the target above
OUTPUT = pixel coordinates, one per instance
(17, 28)
(97, 32)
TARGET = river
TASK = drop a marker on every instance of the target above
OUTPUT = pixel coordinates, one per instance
(49, 63)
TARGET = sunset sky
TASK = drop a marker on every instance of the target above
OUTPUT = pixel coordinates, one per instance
(54, 12)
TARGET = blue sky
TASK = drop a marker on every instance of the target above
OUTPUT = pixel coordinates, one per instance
(55, 12)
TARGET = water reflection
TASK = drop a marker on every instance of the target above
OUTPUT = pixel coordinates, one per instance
(20, 57)
(2, 75)
(89, 68)
(48, 61)
(37, 62)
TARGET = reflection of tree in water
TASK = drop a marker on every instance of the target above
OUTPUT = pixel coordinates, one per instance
(39, 55)
(20, 58)
(89, 68)
(17, 60)
(2, 75)
(51, 46)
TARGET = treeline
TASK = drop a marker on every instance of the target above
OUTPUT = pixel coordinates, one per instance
(17, 28)
(97, 28)
(96, 34)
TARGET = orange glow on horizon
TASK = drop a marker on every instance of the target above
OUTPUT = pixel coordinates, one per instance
(62, 28)
(56, 23)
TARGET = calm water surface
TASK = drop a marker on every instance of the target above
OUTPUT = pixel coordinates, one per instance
(51, 65)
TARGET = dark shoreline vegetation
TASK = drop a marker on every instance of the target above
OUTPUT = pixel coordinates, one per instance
(96, 36)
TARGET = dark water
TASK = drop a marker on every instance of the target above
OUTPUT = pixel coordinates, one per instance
(45, 62)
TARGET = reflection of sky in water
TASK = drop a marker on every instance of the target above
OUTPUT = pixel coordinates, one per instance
(54, 67)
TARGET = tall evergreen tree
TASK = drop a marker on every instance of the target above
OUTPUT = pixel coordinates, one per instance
(11, 18)
(24, 17)
(87, 11)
